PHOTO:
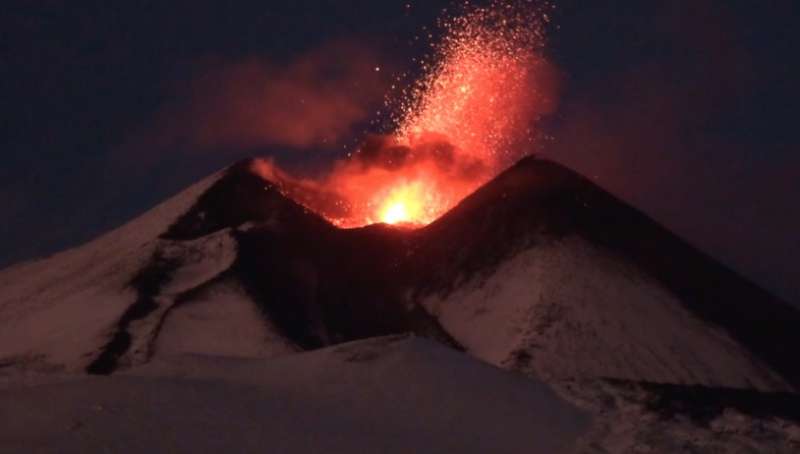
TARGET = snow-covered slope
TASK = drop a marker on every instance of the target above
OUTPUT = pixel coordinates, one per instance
(220, 319)
(58, 312)
(542, 271)
(567, 310)
(388, 395)
(539, 271)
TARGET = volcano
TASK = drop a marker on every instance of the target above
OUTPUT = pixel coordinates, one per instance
(539, 272)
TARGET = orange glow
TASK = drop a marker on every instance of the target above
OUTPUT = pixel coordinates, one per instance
(468, 118)
(478, 97)
(416, 193)
(410, 203)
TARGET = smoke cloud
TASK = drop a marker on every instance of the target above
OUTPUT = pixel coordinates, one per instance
(311, 101)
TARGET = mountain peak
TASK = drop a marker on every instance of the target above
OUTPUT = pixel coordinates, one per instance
(537, 264)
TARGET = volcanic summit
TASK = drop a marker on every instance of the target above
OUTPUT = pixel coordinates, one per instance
(539, 272)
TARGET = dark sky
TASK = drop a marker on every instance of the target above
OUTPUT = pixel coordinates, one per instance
(685, 109)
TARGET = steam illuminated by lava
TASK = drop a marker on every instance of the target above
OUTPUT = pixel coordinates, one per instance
(456, 128)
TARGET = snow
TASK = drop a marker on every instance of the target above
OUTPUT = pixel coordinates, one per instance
(221, 321)
(208, 371)
(627, 426)
(196, 262)
(575, 311)
(57, 311)
(385, 395)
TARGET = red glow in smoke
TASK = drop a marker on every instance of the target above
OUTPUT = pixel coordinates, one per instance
(458, 127)
(313, 100)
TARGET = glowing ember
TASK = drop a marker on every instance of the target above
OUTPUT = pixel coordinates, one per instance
(460, 125)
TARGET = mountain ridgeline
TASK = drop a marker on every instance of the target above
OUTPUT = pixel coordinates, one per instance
(539, 271)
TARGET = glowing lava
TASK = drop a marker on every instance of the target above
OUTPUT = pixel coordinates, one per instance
(395, 212)
(408, 203)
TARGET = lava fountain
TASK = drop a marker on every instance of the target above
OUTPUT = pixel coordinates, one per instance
(462, 123)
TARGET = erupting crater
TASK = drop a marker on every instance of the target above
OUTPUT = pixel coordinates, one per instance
(480, 96)
(408, 203)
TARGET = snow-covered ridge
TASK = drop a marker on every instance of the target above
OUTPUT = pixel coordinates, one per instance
(538, 271)
(223, 287)
(56, 312)
(566, 310)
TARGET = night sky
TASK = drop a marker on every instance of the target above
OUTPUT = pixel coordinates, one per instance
(686, 109)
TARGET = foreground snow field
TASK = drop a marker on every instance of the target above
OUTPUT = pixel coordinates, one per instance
(388, 395)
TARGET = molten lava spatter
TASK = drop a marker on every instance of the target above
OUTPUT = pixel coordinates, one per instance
(484, 87)
(457, 127)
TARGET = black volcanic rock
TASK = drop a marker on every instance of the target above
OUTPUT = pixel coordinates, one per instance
(238, 197)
